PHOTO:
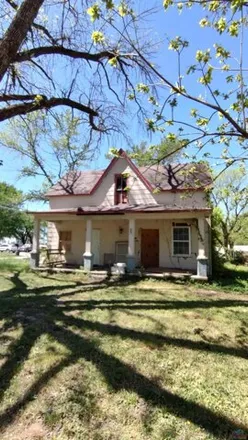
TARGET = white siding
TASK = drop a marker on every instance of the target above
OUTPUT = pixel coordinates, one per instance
(114, 230)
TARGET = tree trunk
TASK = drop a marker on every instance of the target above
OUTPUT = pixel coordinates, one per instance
(17, 32)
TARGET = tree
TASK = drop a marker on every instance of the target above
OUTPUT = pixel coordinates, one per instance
(164, 152)
(102, 53)
(10, 202)
(241, 234)
(68, 54)
(14, 222)
(230, 198)
(50, 147)
(24, 227)
(213, 83)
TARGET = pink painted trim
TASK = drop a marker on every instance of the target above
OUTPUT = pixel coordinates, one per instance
(106, 171)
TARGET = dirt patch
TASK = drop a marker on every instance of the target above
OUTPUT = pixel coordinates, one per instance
(35, 431)
(217, 294)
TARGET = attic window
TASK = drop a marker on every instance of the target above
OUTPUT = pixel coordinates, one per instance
(120, 189)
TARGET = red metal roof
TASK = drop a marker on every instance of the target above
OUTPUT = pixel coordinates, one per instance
(122, 209)
(171, 177)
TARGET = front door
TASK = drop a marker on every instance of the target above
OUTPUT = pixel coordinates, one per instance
(150, 248)
(96, 246)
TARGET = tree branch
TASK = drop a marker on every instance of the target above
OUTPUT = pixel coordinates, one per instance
(44, 103)
(27, 55)
(17, 32)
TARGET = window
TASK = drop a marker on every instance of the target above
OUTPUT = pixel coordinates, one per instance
(121, 251)
(120, 189)
(65, 241)
(181, 240)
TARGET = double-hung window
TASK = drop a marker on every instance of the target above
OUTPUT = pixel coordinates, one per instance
(120, 189)
(121, 250)
(181, 243)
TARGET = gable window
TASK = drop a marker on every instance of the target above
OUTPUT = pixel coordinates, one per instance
(120, 189)
(181, 240)
(65, 241)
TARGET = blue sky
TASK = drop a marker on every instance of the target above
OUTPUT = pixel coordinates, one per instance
(159, 27)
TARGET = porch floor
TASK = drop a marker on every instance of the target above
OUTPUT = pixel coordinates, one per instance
(161, 272)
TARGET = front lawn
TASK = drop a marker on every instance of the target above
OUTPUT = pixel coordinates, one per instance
(139, 360)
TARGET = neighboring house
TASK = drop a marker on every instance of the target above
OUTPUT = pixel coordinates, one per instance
(151, 217)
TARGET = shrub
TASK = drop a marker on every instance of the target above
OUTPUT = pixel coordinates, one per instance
(238, 257)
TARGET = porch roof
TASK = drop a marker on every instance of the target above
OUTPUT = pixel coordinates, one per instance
(122, 209)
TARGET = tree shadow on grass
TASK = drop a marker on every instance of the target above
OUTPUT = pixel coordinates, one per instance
(137, 304)
(121, 376)
(38, 314)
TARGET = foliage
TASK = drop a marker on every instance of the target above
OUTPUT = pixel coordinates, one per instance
(23, 229)
(13, 222)
(50, 146)
(231, 277)
(218, 259)
(100, 50)
(164, 152)
(239, 257)
(240, 236)
(10, 202)
(230, 198)
(212, 81)
(71, 55)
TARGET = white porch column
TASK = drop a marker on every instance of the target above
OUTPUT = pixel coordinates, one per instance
(131, 263)
(88, 256)
(202, 260)
(35, 253)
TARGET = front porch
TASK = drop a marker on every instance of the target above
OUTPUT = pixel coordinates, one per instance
(156, 245)
(103, 274)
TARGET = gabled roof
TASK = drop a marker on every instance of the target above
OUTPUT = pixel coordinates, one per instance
(171, 177)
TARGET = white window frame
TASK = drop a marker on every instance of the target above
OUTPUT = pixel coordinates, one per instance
(178, 226)
(117, 243)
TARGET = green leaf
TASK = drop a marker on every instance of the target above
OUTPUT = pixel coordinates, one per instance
(94, 12)
(97, 37)
(143, 88)
(167, 3)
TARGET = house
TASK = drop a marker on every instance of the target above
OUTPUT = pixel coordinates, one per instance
(151, 217)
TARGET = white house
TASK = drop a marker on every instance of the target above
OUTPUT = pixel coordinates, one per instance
(154, 217)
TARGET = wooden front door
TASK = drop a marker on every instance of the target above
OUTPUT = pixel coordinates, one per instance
(150, 248)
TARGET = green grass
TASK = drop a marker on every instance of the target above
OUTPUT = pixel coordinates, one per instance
(232, 278)
(10, 263)
(139, 360)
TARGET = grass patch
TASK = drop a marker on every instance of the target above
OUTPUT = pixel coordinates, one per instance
(9, 263)
(139, 360)
(232, 278)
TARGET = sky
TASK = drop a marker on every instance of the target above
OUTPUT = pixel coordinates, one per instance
(158, 27)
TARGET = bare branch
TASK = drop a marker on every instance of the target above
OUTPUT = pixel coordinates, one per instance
(44, 103)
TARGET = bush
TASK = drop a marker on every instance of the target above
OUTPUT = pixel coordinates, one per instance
(238, 257)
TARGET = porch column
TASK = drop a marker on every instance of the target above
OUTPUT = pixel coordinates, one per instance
(202, 259)
(35, 253)
(88, 256)
(131, 260)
